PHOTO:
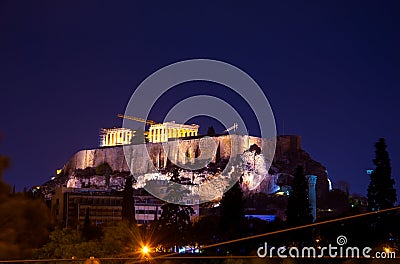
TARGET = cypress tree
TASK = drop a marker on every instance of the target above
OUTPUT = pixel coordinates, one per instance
(232, 211)
(211, 131)
(381, 191)
(128, 202)
(299, 211)
(86, 230)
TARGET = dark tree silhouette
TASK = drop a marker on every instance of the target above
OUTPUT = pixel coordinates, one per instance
(175, 176)
(104, 169)
(4, 187)
(298, 210)
(4, 164)
(381, 191)
(86, 223)
(211, 131)
(174, 221)
(128, 202)
(232, 212)
(4, 190)
(88, 231)
(24, 222)
(255, 148)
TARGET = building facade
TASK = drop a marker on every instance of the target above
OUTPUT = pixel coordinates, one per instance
(69, 205)
(170, 130)
(115, 136)
(147, 209)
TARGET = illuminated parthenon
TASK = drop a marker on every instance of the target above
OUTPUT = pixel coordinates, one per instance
(169, 130)
(157, 133)
(115, 136)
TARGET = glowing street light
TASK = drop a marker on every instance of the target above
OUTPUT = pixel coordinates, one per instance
(387, 250)
(145, 250)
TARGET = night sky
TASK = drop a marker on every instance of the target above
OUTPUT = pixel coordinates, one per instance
(331, 72)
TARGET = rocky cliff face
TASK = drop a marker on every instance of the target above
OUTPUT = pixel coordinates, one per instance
(147, 158)
(141, 157)
(289, 155)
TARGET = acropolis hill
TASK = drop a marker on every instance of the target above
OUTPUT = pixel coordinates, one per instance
(288, 156)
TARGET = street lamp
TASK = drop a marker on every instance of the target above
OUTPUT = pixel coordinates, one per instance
(145, 250)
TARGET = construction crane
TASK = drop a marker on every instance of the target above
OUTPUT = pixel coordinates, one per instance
(134, 118)
(234, 127)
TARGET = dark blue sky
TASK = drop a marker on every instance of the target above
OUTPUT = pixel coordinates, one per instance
(330, 70)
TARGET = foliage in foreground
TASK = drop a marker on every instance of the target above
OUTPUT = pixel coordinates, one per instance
(115, 241)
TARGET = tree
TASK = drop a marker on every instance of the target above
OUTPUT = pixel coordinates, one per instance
(115, 240)
(24, 222)
(232, 211)
(175, 221)
(4, 164)
(128, 202)
(175, 218)
(24, 225)
(381, 191)
(298, 210)
(86, 222)
(104, 169)
(89, 231)
(4, 187)
(210, 131)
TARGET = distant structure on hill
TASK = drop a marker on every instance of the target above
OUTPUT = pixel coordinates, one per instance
(153, 163)
(117, 136)
(170, 130)
(110, 137)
